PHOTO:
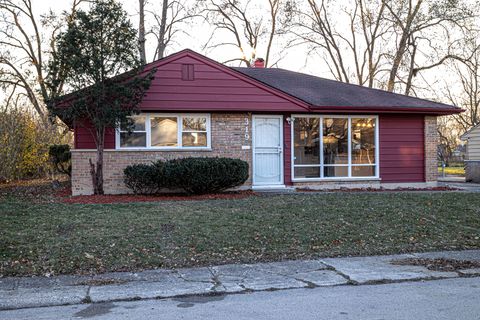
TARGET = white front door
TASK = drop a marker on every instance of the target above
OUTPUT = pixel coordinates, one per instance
(267, 150)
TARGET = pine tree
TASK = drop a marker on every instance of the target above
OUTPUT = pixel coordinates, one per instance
(98, 53)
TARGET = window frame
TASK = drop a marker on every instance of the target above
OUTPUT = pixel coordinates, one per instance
(119, 132)
(179, 146)
(321, 165)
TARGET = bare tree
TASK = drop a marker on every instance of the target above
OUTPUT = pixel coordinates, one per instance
(169, 18)
(352, 49)
(245, 26)
(449, 131)
(414, 22)
(26, 43)
(274, 13)
(141, 30)
(379, 43)
(163, 37)
(467, 77)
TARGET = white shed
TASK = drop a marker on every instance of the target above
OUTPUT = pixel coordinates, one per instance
(472, 157)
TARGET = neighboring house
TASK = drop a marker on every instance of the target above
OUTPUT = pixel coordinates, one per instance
(458, 154)
(293, 129)
(472, 156)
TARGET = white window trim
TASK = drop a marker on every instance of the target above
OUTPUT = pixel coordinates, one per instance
(321, 165)
(119, 132)
(179, 146)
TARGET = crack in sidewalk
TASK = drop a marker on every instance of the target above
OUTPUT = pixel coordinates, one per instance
(216, 281)
(182, 276)
(344, 275)
(87, 298)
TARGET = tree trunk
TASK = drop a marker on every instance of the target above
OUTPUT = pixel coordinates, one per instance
(93, 174)
(273, 29)
(99, 172)
(411, 72)
(161, 50)
(161, 33)
(402, 46)
(141, 31)
(396, 62)
(96, 170)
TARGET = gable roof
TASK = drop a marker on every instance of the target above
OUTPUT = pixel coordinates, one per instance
(330, 95)
(189, 56)
(188, 53)
(300, 92)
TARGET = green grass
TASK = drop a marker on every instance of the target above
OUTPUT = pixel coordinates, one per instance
(40, 238)
(457, 171)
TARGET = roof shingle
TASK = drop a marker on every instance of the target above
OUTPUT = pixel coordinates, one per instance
(321, 92)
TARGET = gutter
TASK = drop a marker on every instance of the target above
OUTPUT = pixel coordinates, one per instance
(385, 109)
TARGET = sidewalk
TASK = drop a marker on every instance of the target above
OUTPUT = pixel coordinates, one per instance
(18, 293)
(459, 183)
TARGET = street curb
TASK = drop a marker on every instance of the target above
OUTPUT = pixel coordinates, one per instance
(21, 293)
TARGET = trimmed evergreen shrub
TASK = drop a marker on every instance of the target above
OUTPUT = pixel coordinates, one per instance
(145, 178)
(206, 175)
(193, 175)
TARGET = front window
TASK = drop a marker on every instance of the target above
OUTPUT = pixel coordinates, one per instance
(194, 131)
(167, 131)
(164, 131)
(363, 147)
(307, 147)
(334, 147)
(137, 137)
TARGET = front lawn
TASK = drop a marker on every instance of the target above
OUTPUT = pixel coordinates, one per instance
(58, 238)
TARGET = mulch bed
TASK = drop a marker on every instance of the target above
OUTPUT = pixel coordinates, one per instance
(46, 191)
(128, 198)
(376, 189)
(64, 195)
(439, 264)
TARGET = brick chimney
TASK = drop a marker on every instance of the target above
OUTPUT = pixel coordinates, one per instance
(259, 63)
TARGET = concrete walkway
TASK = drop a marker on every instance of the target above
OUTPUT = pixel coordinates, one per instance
(16, 293)
(462, 186)
(459, 183)
(452, 179)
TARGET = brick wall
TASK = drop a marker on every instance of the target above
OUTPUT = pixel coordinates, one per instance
(229, 132)
(431, 141)
(348, 184)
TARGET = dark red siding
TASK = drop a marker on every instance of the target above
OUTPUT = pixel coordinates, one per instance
(84, 140)
(402, 148)
(211, 87)
(191, 83)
